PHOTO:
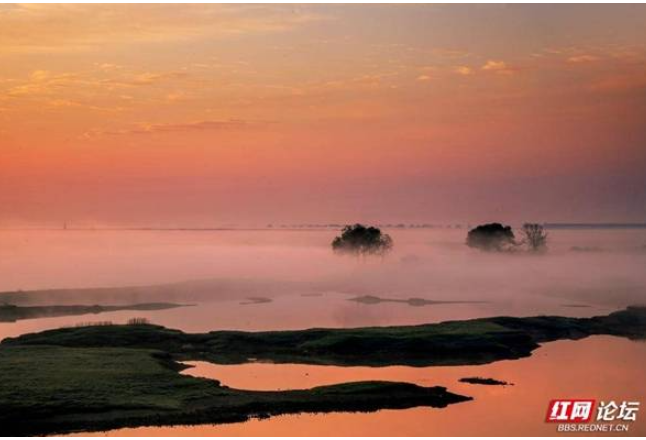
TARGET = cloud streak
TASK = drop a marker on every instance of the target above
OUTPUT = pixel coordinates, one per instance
(73, 27)
(46, 83)
(195, 126)
(582, 59)
(498, 67)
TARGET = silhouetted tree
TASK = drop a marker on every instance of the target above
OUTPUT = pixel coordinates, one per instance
(362, 240)
(491, 237)
(535, 237)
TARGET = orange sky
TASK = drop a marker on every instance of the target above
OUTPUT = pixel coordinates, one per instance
(208, 115)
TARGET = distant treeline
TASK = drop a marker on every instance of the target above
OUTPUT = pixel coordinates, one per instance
(464, 226)
(340, 225)
(595, 225)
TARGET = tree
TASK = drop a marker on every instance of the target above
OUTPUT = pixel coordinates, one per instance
(491, 237)
(362, 240)
(535, 237)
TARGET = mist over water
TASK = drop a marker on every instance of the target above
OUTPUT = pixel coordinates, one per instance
(585, 272)
(276, 279)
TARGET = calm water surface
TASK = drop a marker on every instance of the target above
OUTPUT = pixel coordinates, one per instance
(602, 367)
(585, 273)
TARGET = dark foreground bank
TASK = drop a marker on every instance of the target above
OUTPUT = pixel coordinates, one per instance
(470, 342)
(96, 378)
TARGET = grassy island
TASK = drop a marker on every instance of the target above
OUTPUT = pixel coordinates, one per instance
(101, 377)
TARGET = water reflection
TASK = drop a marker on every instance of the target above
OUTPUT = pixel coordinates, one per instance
(601, 367)
(295, 312)
(296, 282)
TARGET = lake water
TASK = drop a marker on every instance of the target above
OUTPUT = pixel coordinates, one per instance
(585, 273)
(602, 367)
(310, 286)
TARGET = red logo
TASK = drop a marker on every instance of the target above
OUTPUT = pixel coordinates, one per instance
(569, 410)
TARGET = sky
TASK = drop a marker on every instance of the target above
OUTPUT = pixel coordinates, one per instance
(215, 115)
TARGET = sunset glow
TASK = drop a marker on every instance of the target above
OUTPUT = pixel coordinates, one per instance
(207, 115)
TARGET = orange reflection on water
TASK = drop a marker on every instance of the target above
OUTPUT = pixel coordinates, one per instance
(601, 367)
